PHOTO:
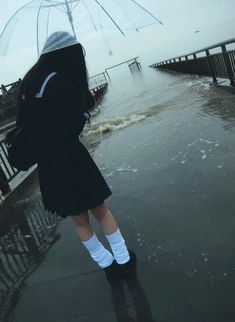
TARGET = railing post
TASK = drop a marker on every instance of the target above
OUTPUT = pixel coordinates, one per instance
(211, 69)
(3, 89)
(228, 65)
(196, 63)
(4, 185)
(105, 76)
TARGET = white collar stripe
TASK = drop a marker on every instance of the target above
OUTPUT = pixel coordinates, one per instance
(40, 94)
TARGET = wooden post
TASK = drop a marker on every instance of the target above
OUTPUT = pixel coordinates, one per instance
(228, 65)
(211, 69)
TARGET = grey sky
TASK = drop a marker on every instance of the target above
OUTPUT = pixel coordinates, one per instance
(215, 19)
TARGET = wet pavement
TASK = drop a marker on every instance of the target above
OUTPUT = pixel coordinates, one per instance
(170, 167)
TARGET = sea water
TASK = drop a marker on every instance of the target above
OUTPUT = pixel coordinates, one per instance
(165, 142)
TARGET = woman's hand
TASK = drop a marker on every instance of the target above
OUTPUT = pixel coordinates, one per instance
(90, 102)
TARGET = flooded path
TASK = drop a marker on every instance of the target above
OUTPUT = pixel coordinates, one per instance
(165, 144)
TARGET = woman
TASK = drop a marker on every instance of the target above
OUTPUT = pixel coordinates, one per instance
(55, 100)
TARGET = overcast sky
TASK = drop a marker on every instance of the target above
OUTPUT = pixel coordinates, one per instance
(214, 19)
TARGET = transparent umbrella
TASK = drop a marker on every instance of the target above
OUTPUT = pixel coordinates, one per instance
(35, 21)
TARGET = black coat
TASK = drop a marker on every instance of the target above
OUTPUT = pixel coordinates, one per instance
(70, 181)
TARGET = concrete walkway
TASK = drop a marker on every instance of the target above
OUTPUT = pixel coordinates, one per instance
(172, 174)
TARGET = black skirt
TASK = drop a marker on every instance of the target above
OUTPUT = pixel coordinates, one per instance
(70, 181)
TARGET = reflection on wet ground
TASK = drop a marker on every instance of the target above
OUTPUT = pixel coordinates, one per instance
(25, 237)
(132, 288)
(82, 296)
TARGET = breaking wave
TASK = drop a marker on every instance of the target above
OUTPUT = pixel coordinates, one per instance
(109, 125)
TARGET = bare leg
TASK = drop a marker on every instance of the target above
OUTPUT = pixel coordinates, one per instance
(82, 226)
(97, 251)
(105, 218)
(112, 232)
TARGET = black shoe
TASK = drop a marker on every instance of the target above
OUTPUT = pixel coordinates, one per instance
(128, 269)
(112, 272)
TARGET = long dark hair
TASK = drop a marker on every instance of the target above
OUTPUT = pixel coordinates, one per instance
(68, 61)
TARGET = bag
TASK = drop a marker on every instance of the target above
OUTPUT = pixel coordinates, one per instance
(22, 141)
(20, 152)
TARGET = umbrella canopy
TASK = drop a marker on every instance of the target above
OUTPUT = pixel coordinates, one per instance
(32, 24)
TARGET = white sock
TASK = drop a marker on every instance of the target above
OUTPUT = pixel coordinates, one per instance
(97, 251)
(118, 246)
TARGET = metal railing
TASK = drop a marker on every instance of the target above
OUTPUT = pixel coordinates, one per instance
(104, 76)
(6, 88)
(8, 97)
(218, 65)
(7, 172)
(97, 80)
(129, 62)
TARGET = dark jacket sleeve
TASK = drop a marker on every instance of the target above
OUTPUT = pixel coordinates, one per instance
(66, 112)
(19, 107)
(89, 101)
